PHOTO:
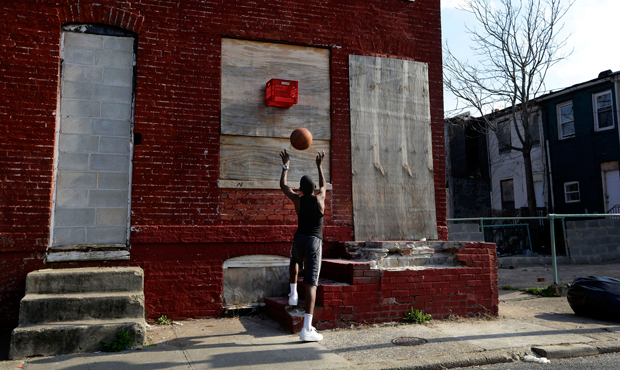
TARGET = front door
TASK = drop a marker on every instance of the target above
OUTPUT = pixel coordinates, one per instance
(94, 144)
(611, 188)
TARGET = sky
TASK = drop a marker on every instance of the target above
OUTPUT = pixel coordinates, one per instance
(590, 24)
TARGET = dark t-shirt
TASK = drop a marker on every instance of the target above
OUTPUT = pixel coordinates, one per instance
(310, 220)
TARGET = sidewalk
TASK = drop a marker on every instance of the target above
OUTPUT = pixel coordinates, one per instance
(256, 343)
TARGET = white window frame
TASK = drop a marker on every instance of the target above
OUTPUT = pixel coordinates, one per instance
(595, 109)
(561, 136)
(566, 192)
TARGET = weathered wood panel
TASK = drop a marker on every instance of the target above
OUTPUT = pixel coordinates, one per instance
(247, 66)
(257, 159)
(391, 149)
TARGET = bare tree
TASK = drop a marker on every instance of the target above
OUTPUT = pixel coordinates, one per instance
(516, 44)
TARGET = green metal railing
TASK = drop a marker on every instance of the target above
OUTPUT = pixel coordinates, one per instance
(551, 217)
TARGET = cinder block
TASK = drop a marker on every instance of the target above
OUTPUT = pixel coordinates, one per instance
(575, 224)
(76, 125)
(580, 260)
(588, 233)
(114, 145)
(76, 180)
(113, 180)
(83, 40)
(72, 161)
(69, 235)
(70, 143)
(606, 257)
(108, 198)
(114, 59)
(119, 44)
(111, 127)
(117, 76)
(572, 234)
(76, 90)
(111, 217)
(577, 243)
(106, 235)
(84, 74)
(72, 198)
(456, 227)
(116, 111)
(81, 108)
(118, 94)
(78, 56)
(74, 217)
(600, 232)
(593, 224)
(472, 228)
(599, 249)
(109, 162)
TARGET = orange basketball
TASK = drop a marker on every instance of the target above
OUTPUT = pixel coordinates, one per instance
(301, 139)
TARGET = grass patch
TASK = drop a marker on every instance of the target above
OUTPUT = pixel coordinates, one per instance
(416, 317)
(163, 320)
(121, 342)
(508, 287)
(544, 292)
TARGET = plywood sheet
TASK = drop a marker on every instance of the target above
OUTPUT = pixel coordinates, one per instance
(257, 159)
(247, 66)
(391, 150)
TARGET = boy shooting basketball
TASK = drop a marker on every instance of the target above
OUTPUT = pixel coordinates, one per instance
(308, 240)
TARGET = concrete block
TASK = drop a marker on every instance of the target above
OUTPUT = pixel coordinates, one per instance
(119, 94)
(580, 260)
(600, 232)
(613, 230)
(593, 223)
(572, 234)
(76, 337)
(69, 236)
(73, 161)
(114, 59)
(607, 257)
(599, 249)
(82, 40)
(81, 108)
(43, 308)
(116, 111)
(76, 180)
(119, 44)
(70, 143)
(456, 227)
(118, 76)
(109, 162)
(113, 180)
(84, 280)
(76, 125)
(111, 127)
(577, 243)
(74, 217)
(76, 90)
(84, 74)
(112, 217)
(472, 228)
(607, 222)
(72, 198)
(108, 198)
(114, 145)
(106, 235)
(588, 233)
(79, 56)
(575, 224)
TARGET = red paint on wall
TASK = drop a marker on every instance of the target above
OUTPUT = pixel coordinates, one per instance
(176, 168)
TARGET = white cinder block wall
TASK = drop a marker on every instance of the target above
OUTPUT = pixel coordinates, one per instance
(92, 182)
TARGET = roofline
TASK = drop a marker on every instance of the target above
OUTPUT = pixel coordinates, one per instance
(609, 78)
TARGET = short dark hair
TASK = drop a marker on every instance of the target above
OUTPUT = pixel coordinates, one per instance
(306, 185)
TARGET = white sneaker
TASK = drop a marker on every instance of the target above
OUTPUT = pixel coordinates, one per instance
(293, 299)
(310, 335)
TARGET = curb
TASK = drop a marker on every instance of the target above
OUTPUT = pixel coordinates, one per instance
(576, 350)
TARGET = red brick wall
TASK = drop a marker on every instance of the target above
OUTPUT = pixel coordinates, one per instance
(177, 112)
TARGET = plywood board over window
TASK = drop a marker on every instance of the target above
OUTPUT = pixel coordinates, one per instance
(393, 186)
(252, 134)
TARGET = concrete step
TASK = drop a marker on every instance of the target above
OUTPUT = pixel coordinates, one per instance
(45, 308)
(85, 280)
(71, 337)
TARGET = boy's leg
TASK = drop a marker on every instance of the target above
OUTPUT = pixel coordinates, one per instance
(310, 299)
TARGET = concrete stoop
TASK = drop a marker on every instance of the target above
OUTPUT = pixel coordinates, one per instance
(72, 310)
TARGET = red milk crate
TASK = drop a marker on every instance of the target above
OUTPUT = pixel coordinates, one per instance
(281, 93)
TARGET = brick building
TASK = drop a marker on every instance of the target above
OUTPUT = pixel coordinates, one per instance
(135, 133)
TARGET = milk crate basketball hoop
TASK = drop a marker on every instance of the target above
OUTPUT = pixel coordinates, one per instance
(281, 93)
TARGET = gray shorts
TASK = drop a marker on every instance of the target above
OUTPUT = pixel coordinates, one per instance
(310, 248)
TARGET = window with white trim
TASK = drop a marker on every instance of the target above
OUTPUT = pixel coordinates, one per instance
(603, 116)
(571, 192)
(566, 121)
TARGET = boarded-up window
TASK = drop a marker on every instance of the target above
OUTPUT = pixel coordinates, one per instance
(252, 133)
(508, 194)
(391, 150)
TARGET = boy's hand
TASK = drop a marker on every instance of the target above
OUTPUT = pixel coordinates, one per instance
(319, 157)
(285, 157)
